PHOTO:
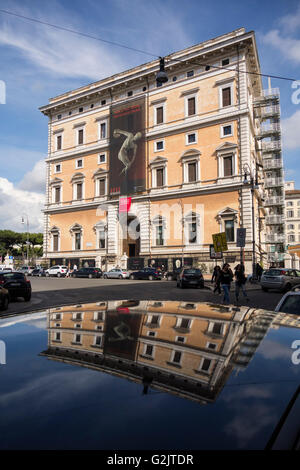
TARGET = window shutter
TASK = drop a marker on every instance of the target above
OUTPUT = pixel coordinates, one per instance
(159, 177)
(191, 106)
(102, 187)
(228, 166)
(57, 194)
(159, 115)
(226, 96)
(55, 242)
(58, 142)
(192, 173)
(80, 136)
(79, 190)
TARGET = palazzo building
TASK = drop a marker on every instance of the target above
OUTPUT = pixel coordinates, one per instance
(190, 156)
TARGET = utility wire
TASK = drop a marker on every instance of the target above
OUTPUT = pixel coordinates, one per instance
(45, 23)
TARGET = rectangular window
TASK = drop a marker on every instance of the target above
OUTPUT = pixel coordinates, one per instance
(55, 242)
(155, 320)
(191, 138)
(225, 62)
(191, 106)
(102, 238)
(206, 365)
(103, 130)
(57, 336)
(159, 115)
(228, 166)
(58, 142)
(290, 214)
(226, 96)
(98, 340)
(177, 357)
(159, 177)
(159, 235)
(79, 163)
(57, 194)
(78, 241)
(149, 350)
(229, 230)
(102, 158)
(184, 323)
(58, 168)
(192, 172)
(78, 339)
(159, 145)
(217, 328)
(80, 136)
(192, 232)
(101, 186)
(227, 130)
(190, 73)
(79, 191)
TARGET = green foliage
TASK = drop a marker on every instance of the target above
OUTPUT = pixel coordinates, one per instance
(8, 239)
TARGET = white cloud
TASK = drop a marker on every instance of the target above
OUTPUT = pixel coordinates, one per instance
(289, 47)
(35, 180)
(290, 131)
(16, 202)
(292, 21)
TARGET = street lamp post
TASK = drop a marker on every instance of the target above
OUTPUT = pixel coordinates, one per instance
(27, 239)
(254, 185)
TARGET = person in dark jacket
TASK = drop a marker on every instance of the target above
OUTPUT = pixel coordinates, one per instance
(226, 277)
(240, 281)
(216, 278)
(259, 271)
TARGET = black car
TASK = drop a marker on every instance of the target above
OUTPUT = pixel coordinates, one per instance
(17, 285)
(4, 298)
(173, 275)
(146, 273)
(191, 277)
(88, 272)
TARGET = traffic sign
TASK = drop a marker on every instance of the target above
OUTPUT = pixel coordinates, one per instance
(220, 242)
(240, 237)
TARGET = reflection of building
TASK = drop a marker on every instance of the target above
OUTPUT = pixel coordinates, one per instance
(178, 347)
(184, 173)
(292, 224)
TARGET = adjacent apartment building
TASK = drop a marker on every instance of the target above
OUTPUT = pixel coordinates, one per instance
(292, 207)
(142, 173)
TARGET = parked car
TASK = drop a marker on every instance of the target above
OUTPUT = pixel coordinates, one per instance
(279, 278)
(290, 302)
(191, 277)
(4, 298)
(57, 270)
(88, 272)
(38, 272)
(116, 273)
(16, 284)
(26, 270)
(173, 275)
(146, 273)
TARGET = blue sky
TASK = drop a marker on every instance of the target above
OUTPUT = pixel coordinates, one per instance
(38, 62)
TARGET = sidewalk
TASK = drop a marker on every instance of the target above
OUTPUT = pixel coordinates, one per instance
(249, 285)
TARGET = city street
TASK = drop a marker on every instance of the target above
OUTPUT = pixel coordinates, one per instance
(50, 292)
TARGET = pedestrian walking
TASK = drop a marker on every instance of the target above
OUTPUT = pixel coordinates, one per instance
(216, 278)
(259, 271)
(240, 282)
(226, 277)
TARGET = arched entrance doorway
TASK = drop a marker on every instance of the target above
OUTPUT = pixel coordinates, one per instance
(131, 241)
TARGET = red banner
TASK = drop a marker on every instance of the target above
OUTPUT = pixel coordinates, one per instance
(124, 204)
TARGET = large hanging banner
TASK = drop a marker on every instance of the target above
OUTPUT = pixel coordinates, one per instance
(127, 166)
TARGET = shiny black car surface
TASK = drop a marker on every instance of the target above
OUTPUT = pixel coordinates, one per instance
(190, 277)
(4, 298)
(146, 273)
(153, 375)
(88, 272)
(17, 284)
